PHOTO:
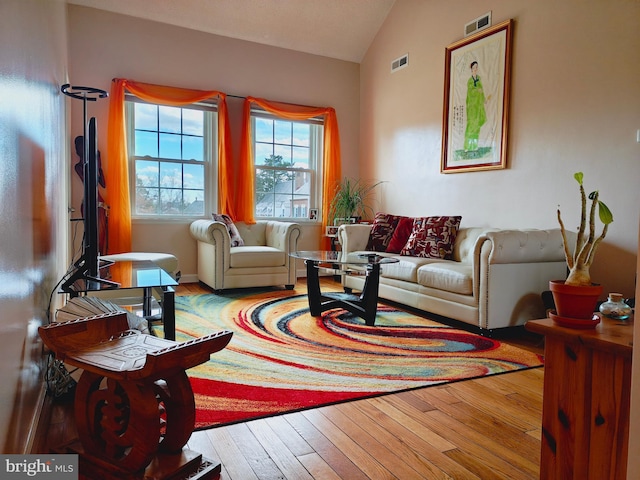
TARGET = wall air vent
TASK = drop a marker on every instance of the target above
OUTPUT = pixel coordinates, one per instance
(478, 24)
(400, 63)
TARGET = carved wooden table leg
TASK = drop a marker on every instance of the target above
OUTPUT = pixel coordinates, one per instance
(118, 421)
(179, 411)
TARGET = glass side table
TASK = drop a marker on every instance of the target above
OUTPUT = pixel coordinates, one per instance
(128, 275)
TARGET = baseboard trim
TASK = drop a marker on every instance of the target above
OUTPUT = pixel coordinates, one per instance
(189, 278)
(40, 423)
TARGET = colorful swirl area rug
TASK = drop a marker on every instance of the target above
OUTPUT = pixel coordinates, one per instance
(281, 359)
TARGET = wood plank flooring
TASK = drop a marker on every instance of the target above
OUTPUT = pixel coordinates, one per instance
(487, 428)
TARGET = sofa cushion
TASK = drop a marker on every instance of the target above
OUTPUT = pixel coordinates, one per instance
(432, 237)
(256, 256)
(400, 235)
(384, 224)
(450, 276)
(405, 269)
(236, 239)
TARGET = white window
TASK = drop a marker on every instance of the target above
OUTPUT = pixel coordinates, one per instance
(287, 162)
(172, 154)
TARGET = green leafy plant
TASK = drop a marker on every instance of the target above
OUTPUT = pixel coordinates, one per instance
(350, 199)
(586, 241)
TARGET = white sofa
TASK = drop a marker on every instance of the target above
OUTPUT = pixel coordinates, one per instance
(493, 281)
(262, 261)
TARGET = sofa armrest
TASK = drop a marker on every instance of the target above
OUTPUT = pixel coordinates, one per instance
(511, 268)
(513, 247)
(210, 231)
(354, 238)
(522, 246)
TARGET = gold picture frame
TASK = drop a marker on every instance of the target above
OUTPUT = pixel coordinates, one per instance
(476, 101)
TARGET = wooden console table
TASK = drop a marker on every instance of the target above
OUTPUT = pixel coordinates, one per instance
(587, 385)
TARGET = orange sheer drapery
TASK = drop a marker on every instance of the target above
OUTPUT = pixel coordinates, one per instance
(331, 164)
(118, 196)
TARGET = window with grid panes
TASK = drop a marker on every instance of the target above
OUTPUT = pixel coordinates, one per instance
(171, 151)
(287, 162)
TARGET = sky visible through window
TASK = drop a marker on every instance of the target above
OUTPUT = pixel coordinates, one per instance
(169, 133)
(290, 140)
(161, 133)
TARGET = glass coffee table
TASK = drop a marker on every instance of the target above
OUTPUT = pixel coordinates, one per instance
(364, 305)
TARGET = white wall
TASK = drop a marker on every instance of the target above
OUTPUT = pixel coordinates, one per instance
(575, 106)
(33, 186)
(633, 470)
(104, 45)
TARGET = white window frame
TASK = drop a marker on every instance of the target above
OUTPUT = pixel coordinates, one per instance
(210, 161)
(316, 146)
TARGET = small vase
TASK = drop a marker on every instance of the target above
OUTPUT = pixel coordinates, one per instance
(615, 307)
(575, 302)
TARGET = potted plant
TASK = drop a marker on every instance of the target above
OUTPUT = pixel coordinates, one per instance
(576, 297)
(350, 200)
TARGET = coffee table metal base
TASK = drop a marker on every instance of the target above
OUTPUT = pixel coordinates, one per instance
(364, 305)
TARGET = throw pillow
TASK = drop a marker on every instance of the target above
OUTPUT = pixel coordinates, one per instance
(236, 239)
(384, 224)
(400, 235)
(432, 237)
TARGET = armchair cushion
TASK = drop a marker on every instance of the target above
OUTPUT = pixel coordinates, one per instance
(257, 256)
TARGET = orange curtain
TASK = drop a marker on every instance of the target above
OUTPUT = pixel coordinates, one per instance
(118, 197)
(331, 164)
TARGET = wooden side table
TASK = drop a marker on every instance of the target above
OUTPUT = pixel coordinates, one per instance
(587, 382)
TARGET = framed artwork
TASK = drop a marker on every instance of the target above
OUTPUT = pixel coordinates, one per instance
(476, 101)
(313, 214)
(331, 231)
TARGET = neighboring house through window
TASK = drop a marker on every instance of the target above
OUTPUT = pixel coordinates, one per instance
(172, 153)
(287, 162)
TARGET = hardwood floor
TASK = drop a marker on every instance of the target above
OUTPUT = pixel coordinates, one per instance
(487, 428)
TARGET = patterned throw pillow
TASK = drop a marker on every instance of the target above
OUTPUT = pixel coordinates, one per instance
(400, 235)
(236, 239)
(432, 237)
(384, 225)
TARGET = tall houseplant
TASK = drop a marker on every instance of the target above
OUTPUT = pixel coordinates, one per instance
(351, 199)
(578, 285)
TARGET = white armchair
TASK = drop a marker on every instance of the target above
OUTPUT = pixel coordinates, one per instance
(262, 261)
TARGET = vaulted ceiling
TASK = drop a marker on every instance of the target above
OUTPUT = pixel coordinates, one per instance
(341, 29)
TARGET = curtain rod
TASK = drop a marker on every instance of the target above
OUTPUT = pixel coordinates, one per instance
(242, 97)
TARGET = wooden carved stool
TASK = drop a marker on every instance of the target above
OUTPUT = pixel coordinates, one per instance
(134, 404)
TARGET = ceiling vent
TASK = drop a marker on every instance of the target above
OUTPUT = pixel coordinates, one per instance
(400, 63)
(478, 24)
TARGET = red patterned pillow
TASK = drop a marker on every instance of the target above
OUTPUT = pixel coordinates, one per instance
(236, 239)
(384, 224)
(432, 237)
(401, 235)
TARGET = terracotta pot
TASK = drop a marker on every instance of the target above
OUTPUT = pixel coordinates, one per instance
(575, 302)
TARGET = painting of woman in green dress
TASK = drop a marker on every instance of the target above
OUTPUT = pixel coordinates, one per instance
(476, 115)
(477, 80)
